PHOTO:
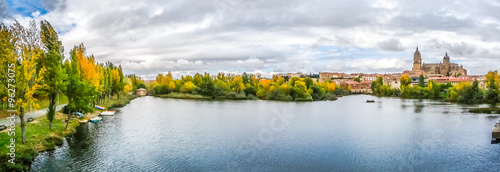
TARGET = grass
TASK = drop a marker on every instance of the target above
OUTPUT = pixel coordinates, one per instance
(42, 102)
(124, 100)
(40, 138)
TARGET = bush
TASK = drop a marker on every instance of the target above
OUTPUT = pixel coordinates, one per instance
(277, 94)
(238, 96)
(250, 91)
(306, 98)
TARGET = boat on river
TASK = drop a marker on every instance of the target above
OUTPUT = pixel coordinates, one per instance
(108, 113)
(370, 101)
(99, 107)
(96, 119)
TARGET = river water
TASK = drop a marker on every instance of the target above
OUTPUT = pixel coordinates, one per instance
(392, 134)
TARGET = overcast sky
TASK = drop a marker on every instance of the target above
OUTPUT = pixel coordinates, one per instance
(266, 36)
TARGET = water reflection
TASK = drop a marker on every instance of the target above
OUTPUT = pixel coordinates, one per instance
(154, 134)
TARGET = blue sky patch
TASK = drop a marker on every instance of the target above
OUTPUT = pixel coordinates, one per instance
(26, 8)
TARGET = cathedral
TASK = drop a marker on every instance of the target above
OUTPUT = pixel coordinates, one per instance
(444, 68)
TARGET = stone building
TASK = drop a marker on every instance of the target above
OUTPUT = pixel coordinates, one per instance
(444, 68)
(324, 76)
(141, 92)
(289, 75)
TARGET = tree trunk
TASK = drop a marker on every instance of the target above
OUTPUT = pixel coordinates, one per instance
(67, 122)
(23, 125)
(51, 113)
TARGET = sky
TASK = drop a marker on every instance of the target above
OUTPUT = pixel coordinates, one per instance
(148, 37)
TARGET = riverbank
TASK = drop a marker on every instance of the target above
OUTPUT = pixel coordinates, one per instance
(40, 138)
(489, 110)
(241, 97)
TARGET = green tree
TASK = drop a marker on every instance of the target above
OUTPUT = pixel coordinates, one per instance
(472, 94)
(207, 88)
(357, 79)
(52, 61)
(492, 83)
(421, 81)
(79, 92)
(141, 85)
(309, 82)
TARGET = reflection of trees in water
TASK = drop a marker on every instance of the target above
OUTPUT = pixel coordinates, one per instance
(81, 141)
(403, 104)
(419, 105)
(492, 117)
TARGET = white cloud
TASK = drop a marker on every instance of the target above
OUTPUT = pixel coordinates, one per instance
(185, 37)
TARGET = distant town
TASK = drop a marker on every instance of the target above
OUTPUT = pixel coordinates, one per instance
(442, 73)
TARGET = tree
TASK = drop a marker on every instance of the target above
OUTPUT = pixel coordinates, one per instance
(7, 56)
(207, 88)
(492, 83)
(188, 87)
(405, 80)
(309, 82)
(52, 61)
(237, 84)
(357, 79)
(421, 81)
(79, 92)
(472, 94)
(142, 85)
(27, 80)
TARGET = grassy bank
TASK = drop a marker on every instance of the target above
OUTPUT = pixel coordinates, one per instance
(40, 138)
(184, 96)
(238, 97)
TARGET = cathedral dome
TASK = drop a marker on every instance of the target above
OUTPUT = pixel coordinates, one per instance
(417, 52)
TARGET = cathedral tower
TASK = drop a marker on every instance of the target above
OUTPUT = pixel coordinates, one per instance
(446, 59)
(445, 67)
(417, 61)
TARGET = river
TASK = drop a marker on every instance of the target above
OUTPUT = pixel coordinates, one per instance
(392, 134)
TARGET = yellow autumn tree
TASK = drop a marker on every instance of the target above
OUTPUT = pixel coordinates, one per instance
(265, 83)
(27, 80)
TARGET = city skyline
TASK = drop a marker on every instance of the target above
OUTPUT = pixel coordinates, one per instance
(271, 37)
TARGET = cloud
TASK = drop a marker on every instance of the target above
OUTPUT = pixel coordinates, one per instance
(456, 48)
(52, 4)
(185, 37)
(4, 12)
(392, 44)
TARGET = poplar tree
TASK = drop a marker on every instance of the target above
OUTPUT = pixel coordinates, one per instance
(52, 61)
(27, 80)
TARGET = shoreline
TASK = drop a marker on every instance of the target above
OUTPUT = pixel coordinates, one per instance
(41, 139)
(201, 97)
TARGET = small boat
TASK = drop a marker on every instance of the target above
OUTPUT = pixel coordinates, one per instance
(99, 107)
(80, 115)
(96, 119)
(370, 101)
(84, 121)
(108, 113)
